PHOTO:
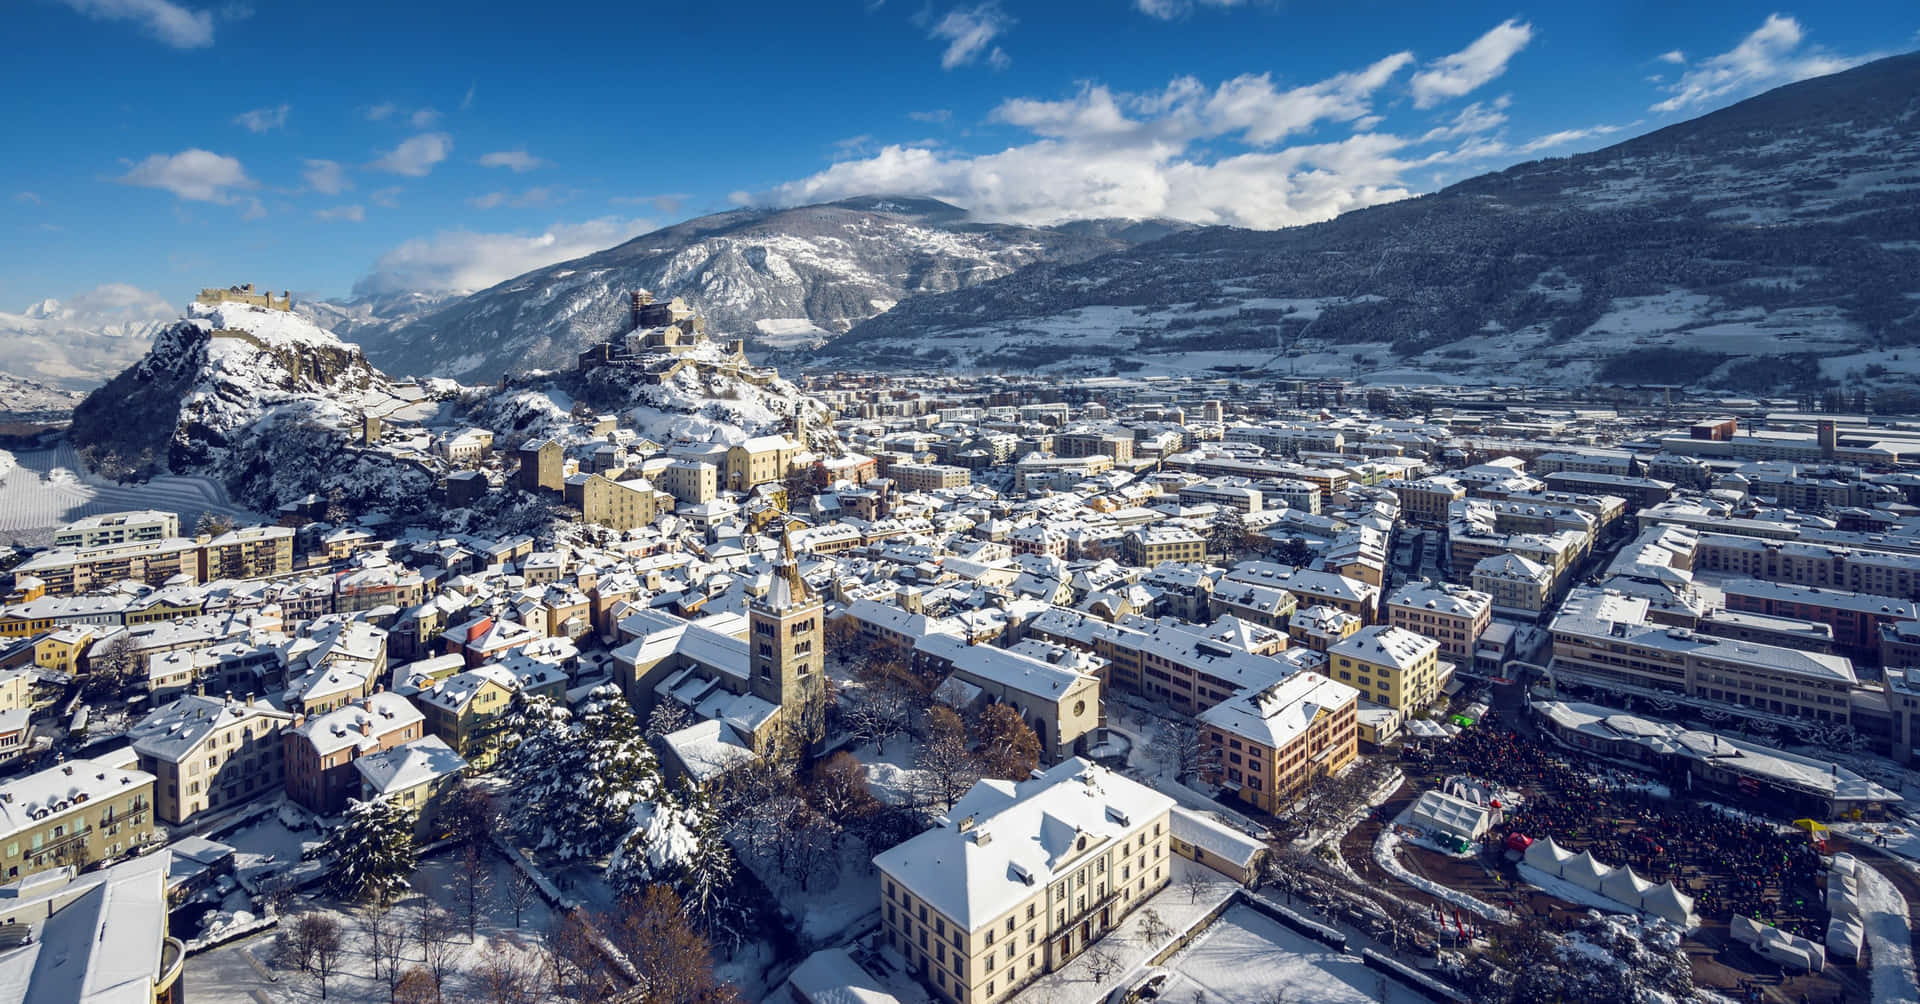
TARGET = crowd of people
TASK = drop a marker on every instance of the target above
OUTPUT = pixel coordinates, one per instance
(1730, 862)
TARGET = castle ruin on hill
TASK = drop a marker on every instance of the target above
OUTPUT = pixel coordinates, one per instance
(244, 293)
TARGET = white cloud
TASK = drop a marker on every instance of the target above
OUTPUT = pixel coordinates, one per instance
(31, 198)
(1475, 118)
(1462, 72)
(1768, 57)
(169, 22)
(424, 117)
(339, 214)
(1674, 56)
(1106, 154)
(328, 177)
(969, 33)
(382, 111)
(195, 175)
(263, 119)
(1167, 10)
(935, 116)
(466, 100)
(108, 304)
(415, 157)
(517, 161)
(386, 198)
(465, 260)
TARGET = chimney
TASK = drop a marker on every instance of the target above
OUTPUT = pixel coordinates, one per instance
(366, 726)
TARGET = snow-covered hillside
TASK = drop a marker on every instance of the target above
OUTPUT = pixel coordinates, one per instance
(770, 277)
(261, 400)
(1765, 246)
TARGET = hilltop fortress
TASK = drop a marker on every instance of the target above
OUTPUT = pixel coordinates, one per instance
(244, 293)
(663, 339)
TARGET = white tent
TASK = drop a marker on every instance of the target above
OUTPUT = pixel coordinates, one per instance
(1585, 872)
(1548, 856)
(1843, 938)
(1668, 903)
(1746, 930)
(1841, 902)
(1623, 886)
(1445, 815)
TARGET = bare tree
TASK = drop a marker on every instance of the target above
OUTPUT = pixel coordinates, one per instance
(505, 978)
(667, 716)
(328, 946)
(1181, 744)
(434, 931)
(1101, 963)
(1195, 883)
(472, 883)
(386, 941)
(573, 957)
(521, 893)
(297, 940)
(416, 987)
(946, 757)
(880, 711)
(1153, 927)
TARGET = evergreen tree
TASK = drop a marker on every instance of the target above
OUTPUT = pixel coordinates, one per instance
(372, 851)
(1228, 534)
(581, 780)
(706, 875)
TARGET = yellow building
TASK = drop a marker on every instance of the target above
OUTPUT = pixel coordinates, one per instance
(1269, 744)
(758, 461)
(74, 814)
(462, 708)
(1149, 546)
(209, 754)
(1024, 879)
(619, 505)
(63, 650)
(1390, 666)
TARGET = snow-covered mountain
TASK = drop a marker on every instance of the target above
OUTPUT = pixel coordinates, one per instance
(370, 315)
(73, 347)
(1769, 244)
(777, 278)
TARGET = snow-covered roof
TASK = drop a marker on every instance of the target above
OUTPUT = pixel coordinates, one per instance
(409, 765)
(104, 945)
(1022, 837)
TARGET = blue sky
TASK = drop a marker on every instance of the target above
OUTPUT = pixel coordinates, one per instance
(161, 145)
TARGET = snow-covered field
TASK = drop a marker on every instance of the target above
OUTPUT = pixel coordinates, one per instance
(224, 976)
(1248, 957)
(50, 488)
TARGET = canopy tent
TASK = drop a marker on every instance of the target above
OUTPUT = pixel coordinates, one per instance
(1548, 856)
(1623, 886)
(1444, 815)
(1667, 902)
(1843, 938)
(1585, 872)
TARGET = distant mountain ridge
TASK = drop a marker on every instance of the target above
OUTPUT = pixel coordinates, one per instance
(1772, 241)
(778, 278)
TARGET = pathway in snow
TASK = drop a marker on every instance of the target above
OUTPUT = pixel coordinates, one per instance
(1385, 852)
(1890, 938)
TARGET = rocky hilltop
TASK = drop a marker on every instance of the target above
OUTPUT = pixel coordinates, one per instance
(1763, 245)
